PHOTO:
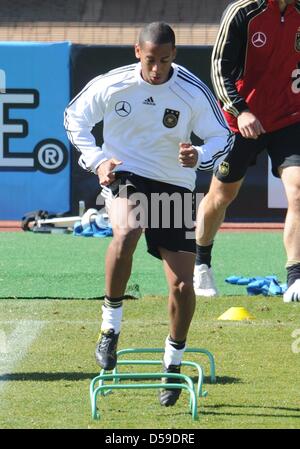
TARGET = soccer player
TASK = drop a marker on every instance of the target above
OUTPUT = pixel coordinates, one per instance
(149, 110)
(255, 72)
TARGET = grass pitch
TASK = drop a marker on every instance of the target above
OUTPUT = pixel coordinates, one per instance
(47, 345)
(63, 266)
(48, 385)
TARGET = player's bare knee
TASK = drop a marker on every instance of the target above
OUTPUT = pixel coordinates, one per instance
(184, 289)
(125, 241)
(221, 194)
(293, 197)
(224, 195)
(294, 204)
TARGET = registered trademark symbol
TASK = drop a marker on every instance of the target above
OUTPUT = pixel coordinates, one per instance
(50, 156)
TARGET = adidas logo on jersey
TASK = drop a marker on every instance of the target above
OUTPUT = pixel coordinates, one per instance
(149, 101)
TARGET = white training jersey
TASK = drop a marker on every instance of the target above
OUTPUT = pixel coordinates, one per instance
(143, 124)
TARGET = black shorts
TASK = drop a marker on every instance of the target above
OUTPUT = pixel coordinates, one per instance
(283, 147)
(169, 215)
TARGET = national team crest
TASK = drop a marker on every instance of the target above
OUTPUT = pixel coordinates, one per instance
(224, 168)
(170, 118)
(297, 41)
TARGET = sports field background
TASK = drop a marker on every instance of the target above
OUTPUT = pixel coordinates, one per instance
(63, 266)
(48, 340)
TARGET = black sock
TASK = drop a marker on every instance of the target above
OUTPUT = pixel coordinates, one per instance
(293, 273)
(203, 255)
(113, 303)
(176, 344)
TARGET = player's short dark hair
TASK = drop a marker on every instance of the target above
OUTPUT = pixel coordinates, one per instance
(157, 33)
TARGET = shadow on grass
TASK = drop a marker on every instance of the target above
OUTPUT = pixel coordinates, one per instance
(47, 377)
(79, 375)
(208, 410)
(223, 380)
(257, 411)
(250, 406)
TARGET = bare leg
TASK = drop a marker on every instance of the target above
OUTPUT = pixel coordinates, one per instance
(118, 269)
(178, 268)
(212, 209)
(121, 249)
(210, 216)
(179, 273)
(291, 180)
(290, 177)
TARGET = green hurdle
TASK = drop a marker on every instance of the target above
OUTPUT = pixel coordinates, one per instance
(200, 392)
(188, 385)
(122, 352)
(184, 381)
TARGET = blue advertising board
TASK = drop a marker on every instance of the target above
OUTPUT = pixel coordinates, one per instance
(34, 149)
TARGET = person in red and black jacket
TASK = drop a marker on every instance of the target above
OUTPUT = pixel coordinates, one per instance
(256, 77)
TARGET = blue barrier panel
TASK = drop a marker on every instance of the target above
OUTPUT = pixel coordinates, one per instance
(34, 150)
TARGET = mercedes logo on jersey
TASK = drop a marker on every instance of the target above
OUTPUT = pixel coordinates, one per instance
(259, 39)
(123, 108)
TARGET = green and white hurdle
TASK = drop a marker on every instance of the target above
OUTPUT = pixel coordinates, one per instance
(99, 387)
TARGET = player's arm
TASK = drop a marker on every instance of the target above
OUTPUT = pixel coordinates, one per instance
(81, 115)
(227, 64)
(210, 126)
(227, 60)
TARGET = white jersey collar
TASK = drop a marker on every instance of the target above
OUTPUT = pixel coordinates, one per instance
(156, 87)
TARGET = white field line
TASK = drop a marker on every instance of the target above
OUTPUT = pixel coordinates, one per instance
(57, 320)
(14, 347)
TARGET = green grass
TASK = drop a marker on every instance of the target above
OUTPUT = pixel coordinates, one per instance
(63, 266)
(257, 370)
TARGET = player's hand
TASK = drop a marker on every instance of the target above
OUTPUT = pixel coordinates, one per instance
(105, 171)
(249, 125)
(188, 155)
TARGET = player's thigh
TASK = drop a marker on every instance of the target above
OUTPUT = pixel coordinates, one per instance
(178, 266)
(290, 177)
(123, 219)
(171, 224)
(243, 154)
(284, 149)
(224, 192)
(172, 239)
